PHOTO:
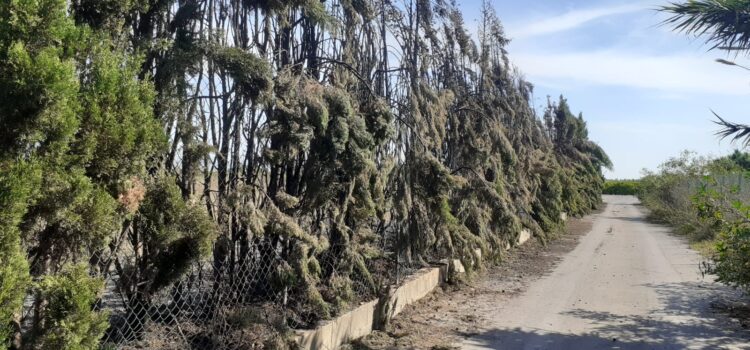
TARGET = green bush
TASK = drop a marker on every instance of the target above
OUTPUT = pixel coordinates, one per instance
(69, 321)
(621, 187)
(670, 193)
(77, 130)
(723, 211)
(18, 186)
(704, 199)
(732, 256)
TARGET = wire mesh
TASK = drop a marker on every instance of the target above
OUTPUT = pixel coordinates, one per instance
(244, 300)
(214, 306)
(244, 305)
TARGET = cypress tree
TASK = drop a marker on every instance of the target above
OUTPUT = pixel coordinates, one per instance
(325, 143)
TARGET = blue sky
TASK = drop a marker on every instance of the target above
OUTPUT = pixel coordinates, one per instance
(646, 92)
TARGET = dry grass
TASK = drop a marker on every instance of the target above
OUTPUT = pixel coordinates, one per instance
(706, 248)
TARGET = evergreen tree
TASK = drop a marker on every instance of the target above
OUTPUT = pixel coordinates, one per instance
(78, 134)
(330, 142)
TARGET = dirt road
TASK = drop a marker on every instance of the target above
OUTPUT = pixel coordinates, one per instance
(628, 284)
(613, 281)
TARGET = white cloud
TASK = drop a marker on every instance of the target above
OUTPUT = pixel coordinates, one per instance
(570, 20)
(673, 73)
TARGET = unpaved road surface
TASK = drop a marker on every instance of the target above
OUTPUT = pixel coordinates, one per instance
(629, 284)
(613, 281)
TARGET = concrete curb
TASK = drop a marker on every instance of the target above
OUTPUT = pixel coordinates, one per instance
(524, 236)
(415, 288)
(364, 319)
(345, 328)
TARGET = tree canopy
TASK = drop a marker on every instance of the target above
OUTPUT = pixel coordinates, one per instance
(330, 142)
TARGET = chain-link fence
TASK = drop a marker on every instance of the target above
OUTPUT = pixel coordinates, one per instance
(244, 305)
(738, 184)
(250, 298)
(732, 186)
(213, 306)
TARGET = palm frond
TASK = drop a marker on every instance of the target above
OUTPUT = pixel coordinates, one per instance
(724, 23)
(737, 132)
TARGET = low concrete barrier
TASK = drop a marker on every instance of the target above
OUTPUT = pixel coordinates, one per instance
(524, 236)
(415, 288)
(362, 320)
(341, 330)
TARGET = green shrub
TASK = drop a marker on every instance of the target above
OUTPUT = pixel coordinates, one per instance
(724, 213)
(76, 132)
(175, 233)
(732, 256)
(704, 199)
(18, 187)
(70, 322)
(670, 194)
(621, 187)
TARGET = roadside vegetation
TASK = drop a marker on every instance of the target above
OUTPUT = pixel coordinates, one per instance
(621, 187)
(704, 199)
(171, 170)
(671, 192)
(720, 202)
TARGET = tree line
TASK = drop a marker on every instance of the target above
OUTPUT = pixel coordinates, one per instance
(138, 137)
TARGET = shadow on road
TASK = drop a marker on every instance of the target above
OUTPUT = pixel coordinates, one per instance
(517, 339)
(628, 218)
(688, 319)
